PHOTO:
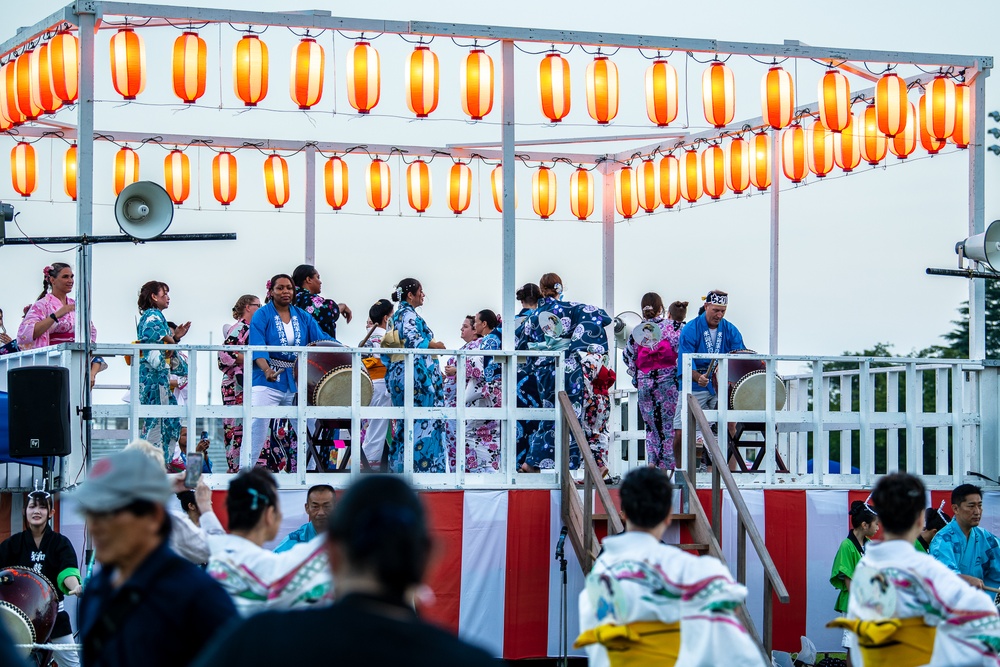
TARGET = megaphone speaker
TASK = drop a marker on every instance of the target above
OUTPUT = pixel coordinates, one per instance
(143, 210)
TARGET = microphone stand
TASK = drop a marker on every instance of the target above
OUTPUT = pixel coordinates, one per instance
(563, 608)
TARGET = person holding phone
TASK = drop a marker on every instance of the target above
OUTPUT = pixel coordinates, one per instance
(201, 449)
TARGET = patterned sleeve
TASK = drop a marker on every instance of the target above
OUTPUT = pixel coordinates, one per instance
(629, 357)
(410, 331)
(36, 313)
(324, 311)
(227, 360)
(151, 328)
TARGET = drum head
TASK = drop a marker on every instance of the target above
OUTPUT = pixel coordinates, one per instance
(647, 334)
(33, 594)
(335, 388)
(750, 393)
(550, 324)
(18, 626)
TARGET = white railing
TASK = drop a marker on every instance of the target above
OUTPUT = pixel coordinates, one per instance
(932, 417)
(108, 404)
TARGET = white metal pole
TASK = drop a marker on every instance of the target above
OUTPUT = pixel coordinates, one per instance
(608, 238)
(977, 213)
(509, 219)
(772, 339)
(310, 156)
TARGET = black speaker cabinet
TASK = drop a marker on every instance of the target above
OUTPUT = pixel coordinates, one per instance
(38, 411)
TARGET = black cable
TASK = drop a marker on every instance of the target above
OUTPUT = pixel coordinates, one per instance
(598, 51)
(553, 49)
(475, 44)
(712, 60)
(658, 56)
(190, 26)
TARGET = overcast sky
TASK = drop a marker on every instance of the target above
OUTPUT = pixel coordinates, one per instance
(853, 249)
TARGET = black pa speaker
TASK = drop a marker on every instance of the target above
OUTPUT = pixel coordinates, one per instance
(38, 411)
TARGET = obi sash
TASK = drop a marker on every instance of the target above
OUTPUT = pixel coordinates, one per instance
(636, 644)
(894, 642)
(662, 355)
(376, 369)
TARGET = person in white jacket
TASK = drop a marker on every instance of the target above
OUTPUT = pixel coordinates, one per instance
(649, 603)
(257, 578)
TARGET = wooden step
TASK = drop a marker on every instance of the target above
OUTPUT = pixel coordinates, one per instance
(700, 548)
(683, 517)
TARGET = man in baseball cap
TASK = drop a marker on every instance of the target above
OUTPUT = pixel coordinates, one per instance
(147, 605)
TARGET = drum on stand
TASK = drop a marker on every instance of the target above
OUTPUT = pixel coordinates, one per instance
(328, 378)
(28, 607)
(748, 384)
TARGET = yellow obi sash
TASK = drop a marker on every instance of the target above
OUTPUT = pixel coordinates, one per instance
(637, 644)
(392, 339)
(376, 370)
(895, 642)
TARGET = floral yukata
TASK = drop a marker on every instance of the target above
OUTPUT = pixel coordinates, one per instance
(63, 331)
(232, 393)
(583, 332)
(648, 603)
(654, 373)
(155, 368)
(483, 389)
(428, 392)
(326, 312)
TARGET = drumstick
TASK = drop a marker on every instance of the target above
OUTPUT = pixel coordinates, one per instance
(991, 589)
(368, 335)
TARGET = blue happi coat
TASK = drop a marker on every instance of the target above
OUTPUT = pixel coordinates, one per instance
(695, 338)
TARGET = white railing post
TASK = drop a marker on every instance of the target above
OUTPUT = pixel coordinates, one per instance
(770, 432)
(914, 448)
(357, 442)
(821, 439)
(683, 407)
(460, 427)
(941, 385)
(508, 452)
(557, 441)
(133, 395)
(247, 443)
(408, 441)
(892, 434)
(301, 422)
(866, 453)
(959, 451)
(192, 402)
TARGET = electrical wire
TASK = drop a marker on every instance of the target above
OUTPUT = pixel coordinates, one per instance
(658, 56)
(551, 49)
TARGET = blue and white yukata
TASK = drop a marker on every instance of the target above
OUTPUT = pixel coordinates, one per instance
(696, 337)
(428, 392)
(155, 368)
(266, 328)
(976, 556)
(583, 333)
(527, 387)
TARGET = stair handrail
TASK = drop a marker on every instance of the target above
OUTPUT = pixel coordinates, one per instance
(577, 515)
(745, 525)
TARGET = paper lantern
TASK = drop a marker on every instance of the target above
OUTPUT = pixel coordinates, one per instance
(128, 63)
(718, 94)
(224, 178)
(418, 186)
(543, 192)
(23, 171)
(847, 146)
(177, 176)
(459, 187)
(890, 104)
(335, 182)
(190, 67)
(690, 175)
(713, 171)
(819, 149)
(553, 87)
(43, 92)
(626, 200)
(581, 194)
(760, 161)
(378, 185)
(8, 96)
(738, 165)
(602, 90)
(364, 77)
(873, 143)
(777, 98)
(276, 180)
(477, 84)
(250, 70)
(64, 68)
(905, 142)
(670, 181)
(69, 172)
(496, 180)
(661, 93)
(422, 81)
(306, 82)
(24, 81)
(962, 134)
(646, 188)
(126, 169)
(834, 101)
(793, 153)
(930, 144)
(938, 108)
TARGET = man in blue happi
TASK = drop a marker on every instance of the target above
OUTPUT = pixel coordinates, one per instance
(319, 504)
(708, 333)
(966, 549)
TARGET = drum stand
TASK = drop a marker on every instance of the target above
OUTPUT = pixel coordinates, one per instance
(735, 444)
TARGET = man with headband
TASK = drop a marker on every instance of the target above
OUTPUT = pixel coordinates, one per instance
(707, 333)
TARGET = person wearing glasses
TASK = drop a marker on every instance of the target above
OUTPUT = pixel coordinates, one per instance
(231, 365)
(50, 554)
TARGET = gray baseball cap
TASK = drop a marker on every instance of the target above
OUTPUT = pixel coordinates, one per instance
(119, 480)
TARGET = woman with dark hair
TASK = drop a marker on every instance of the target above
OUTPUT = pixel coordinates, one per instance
(934, 520)
(51, 320)
(50, 554)
(257, 578)
(326, 312)
(581, 336)
(375, 431)
(652, 364)
(8, 345)
(379, 548)
(527, 388)
(864, 525)
(410, 330)
(277, 323)
(906, 608)
(483, 389)
(231, 365)
(156, 366)
(650, 603)
(470, 341)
